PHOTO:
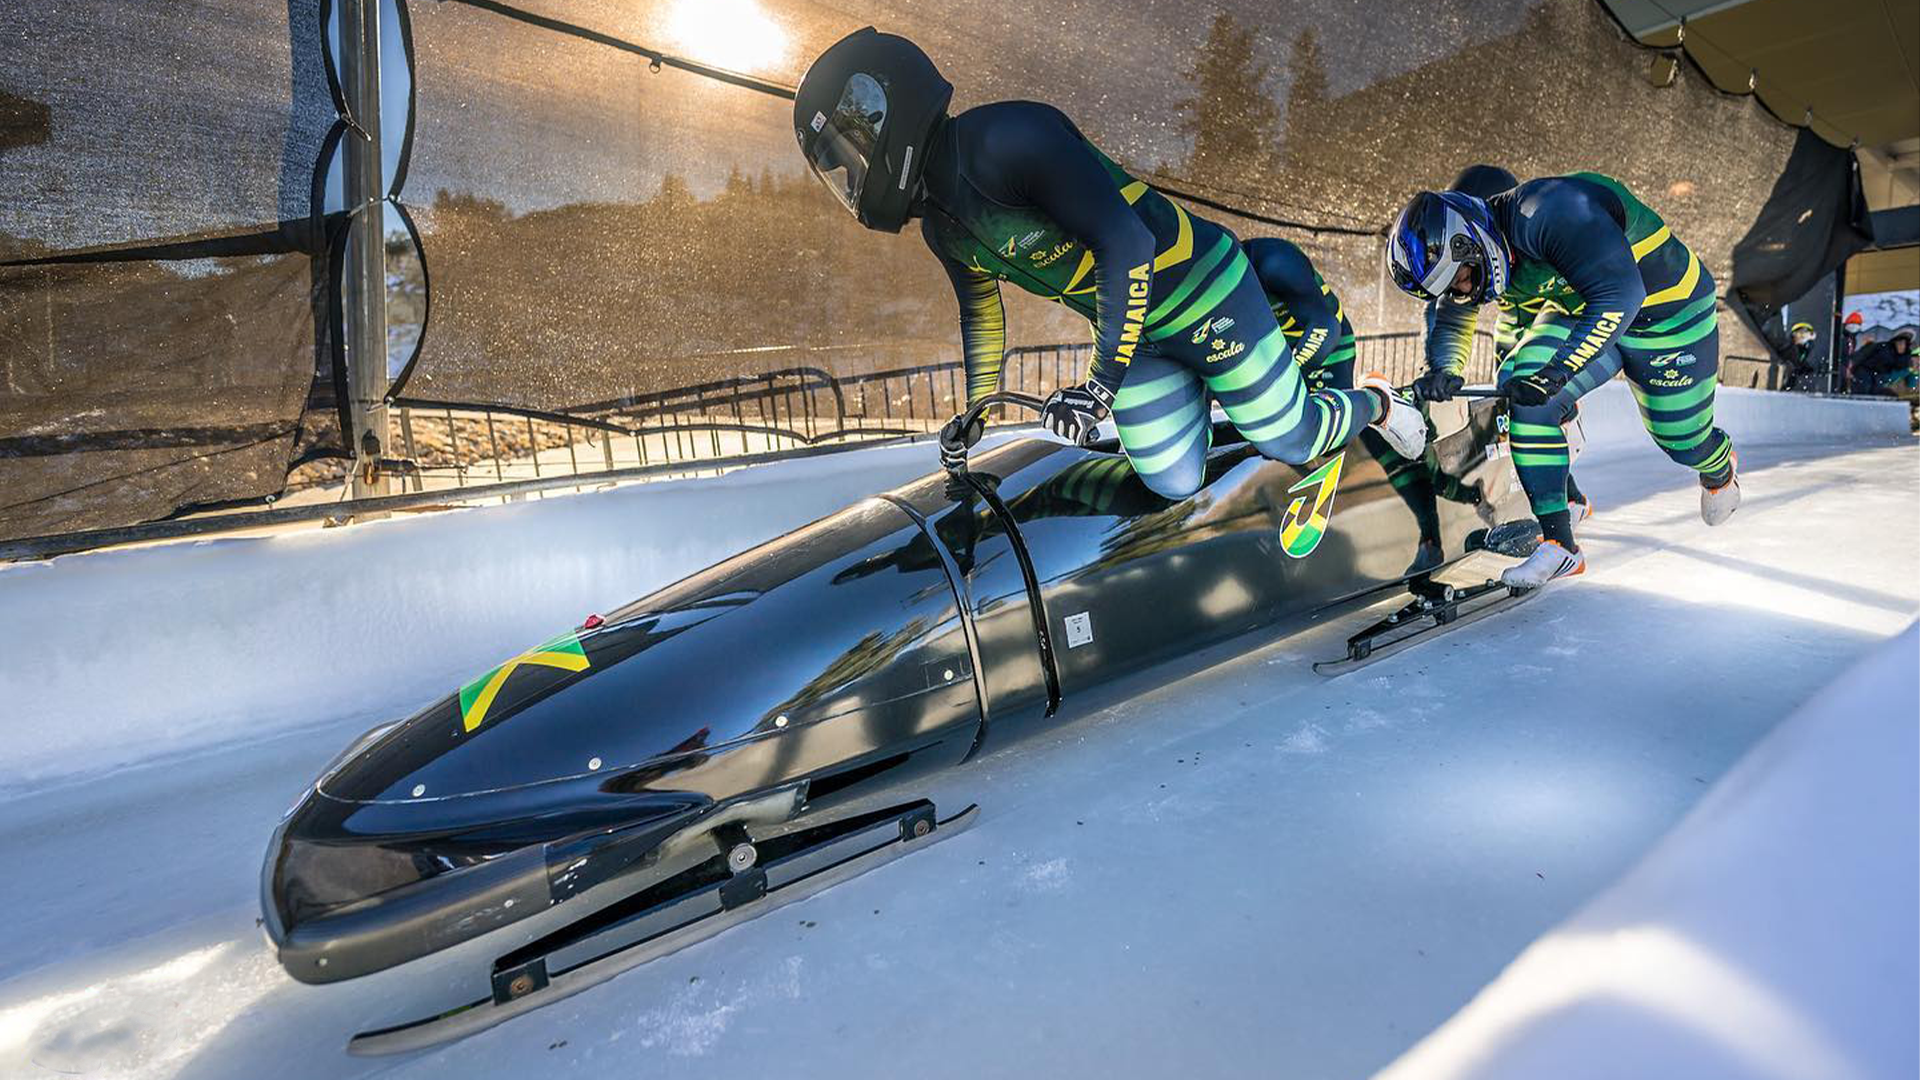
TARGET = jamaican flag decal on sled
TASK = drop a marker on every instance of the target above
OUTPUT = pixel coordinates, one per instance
(477, 697)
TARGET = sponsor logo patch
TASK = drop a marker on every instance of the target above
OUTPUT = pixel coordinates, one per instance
(1052, 255)
(1218, 325)
(1017, 244)
(1675, 359)
(1225, 350)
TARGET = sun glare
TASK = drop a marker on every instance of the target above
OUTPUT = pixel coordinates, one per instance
(732, 34)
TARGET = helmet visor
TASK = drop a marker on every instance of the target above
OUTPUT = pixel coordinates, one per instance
(849, 139)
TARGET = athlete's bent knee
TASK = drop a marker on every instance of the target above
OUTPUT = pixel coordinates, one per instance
(1294, 448)
(1179, 482)
(1553, 414)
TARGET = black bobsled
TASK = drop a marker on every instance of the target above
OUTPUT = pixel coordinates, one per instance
(732, 741)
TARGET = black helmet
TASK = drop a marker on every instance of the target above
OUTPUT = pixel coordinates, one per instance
(1484, 181)
(863, 115)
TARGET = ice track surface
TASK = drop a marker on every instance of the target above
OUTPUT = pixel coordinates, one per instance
(1254, 870)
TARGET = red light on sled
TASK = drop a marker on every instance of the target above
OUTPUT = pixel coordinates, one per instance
(591, 622)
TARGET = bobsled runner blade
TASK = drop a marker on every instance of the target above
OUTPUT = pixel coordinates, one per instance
(1434, 609)
(573, 959)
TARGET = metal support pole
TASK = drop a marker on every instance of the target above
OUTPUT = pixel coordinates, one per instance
(1380, 294)
(1836, 328)
(364, 281)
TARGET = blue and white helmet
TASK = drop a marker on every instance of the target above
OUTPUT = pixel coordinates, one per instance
(1438, 233)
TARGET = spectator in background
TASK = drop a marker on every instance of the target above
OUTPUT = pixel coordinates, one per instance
(1801, 363)
(1849, 345)
(1884, 368)
(1906, 386)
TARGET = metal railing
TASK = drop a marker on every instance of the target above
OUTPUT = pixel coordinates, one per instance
(454, 446)
(460, 453)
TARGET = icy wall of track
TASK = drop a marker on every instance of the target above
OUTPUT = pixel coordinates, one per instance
(115, 656)
(119, 656)
(1756, 417)
(1770, 935)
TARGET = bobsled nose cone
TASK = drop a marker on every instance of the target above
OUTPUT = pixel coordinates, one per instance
(807, 670)
(351, 888)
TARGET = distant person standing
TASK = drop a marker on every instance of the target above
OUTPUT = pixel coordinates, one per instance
(1801, 365)
(1905, 382)
(1850, 346)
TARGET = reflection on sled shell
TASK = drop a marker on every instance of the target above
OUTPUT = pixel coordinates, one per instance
(778, 690)
(768, 669)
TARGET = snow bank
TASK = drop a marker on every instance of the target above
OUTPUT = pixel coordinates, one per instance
(1771, 935)
(116, 656)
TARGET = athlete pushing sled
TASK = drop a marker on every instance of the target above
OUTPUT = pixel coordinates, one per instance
(1012, 192)
(1616, 291)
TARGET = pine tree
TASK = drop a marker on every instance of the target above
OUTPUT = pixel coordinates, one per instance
(1234, 124)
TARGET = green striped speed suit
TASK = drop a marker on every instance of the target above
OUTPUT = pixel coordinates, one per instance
(1218, 340)
(1672, 365)
(1196, 310)
(1669, 348)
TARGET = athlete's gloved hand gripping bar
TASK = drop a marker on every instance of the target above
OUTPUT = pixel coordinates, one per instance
(959, 434)
(1072, 412)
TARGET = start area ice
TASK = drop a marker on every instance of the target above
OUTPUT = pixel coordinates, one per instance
(1252, 870)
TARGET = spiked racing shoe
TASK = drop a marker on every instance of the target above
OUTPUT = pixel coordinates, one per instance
(1717, 504)
(1426, 557)
(1402, 424)
(1548, 561)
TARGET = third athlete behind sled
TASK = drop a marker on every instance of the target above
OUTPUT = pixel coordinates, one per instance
(1616, 291)
(1013, 192)
(1325, 349)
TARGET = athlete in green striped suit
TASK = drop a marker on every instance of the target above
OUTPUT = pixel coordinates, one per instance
(1322, 340)
(1012, 192)
(1616, 290)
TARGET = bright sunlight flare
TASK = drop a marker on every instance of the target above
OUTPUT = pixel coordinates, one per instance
(733, 34)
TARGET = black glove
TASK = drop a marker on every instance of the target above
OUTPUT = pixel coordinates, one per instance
(1539, 387)
(954, 442)
(1072, 411)
(1437, 386)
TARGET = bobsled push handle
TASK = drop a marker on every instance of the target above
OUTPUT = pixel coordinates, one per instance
(1464, 392)
(953, 441)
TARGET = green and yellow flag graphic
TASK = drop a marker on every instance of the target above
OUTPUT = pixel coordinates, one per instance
(563, 652)
(1299, 536)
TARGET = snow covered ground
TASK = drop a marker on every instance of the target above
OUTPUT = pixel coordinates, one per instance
(1252, 870)
(1772, 934)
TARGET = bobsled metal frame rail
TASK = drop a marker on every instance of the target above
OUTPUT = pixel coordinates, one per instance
(623, 946)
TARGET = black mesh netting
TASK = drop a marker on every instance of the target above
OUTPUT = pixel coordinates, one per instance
(622, 230)
(135, 388)
(175, 146)
(127, 123)
(593, 229)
